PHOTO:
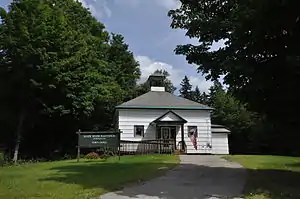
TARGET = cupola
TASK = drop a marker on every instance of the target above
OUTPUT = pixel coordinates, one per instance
(156, 82)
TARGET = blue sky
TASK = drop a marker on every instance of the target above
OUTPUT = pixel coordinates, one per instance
(146, 28)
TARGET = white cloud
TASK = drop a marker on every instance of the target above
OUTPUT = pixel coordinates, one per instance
(84, 4)
(148, 66)
(201, 83)
(98, 8)
(169, 4)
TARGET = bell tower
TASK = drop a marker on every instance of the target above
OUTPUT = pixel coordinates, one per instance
(156, 82)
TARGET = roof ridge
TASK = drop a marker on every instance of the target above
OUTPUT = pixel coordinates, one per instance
(162, 99)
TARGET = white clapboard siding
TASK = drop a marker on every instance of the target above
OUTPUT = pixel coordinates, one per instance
(220, 143)
(200, 118)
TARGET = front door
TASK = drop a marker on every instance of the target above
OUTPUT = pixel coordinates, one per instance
(165, 133)
(167, 136)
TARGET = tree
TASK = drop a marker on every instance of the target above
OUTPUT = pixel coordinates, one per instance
(169, 86)
(260, 58)
(199, 97)
(204, 98)
(125, 67)
(234, 115)
(125, 72)
(196, 95)
(186, 87)
(53, 62)
(144, 87)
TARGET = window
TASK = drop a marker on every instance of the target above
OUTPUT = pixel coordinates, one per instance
(192, 131)
(138, 131)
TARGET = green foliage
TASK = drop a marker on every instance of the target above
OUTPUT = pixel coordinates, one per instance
(199, 97)
(144, 87)
(60, 70)
(234, 115)
(47, 62)
(167, 82)
(196, 95)
(186, 87)
(230, 112)
(260, 58)
(123, 65)
(92, 155)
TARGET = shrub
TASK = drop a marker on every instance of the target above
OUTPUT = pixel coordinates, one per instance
(92, 155)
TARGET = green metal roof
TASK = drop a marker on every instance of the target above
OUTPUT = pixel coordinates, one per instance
(162, 100)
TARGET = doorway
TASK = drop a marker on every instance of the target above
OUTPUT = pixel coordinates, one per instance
(168, 136)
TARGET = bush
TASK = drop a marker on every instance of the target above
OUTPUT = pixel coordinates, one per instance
(92, 155)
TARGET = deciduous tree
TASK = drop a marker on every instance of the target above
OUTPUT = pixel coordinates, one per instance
(234, 115)
(57, 60)
(145, 87)
(259, 59)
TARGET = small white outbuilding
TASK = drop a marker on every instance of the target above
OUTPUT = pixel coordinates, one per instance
(160, 115)
(219, 139)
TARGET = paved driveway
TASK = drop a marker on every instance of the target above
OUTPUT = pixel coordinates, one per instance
(197, 177)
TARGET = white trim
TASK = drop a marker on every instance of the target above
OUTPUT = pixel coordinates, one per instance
(157, 88)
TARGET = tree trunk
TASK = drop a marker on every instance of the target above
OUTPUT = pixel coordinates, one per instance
(18, 139)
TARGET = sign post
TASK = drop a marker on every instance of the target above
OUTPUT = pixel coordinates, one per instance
(101, 139)
(78, 147)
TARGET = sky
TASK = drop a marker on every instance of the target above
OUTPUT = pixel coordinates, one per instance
(146, 29)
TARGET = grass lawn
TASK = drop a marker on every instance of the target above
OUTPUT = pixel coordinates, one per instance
(270, 177)
(86, 179)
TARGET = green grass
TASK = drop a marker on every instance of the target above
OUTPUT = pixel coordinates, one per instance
(86, 179)
(270, 177)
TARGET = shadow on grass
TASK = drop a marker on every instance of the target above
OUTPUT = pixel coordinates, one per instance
(277, 184)
(294, 165)
(185, 181)
(109, 176)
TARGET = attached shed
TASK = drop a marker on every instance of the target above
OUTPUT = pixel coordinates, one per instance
(220, 139)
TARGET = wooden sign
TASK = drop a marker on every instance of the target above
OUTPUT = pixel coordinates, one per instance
(98, 140)
(102, 139)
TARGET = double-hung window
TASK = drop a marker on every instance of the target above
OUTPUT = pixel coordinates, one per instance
(138, 131)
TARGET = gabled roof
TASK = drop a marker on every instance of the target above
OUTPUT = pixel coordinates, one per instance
(169, 116)
(162, 100)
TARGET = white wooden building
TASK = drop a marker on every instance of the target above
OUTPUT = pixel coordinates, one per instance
(161, 115)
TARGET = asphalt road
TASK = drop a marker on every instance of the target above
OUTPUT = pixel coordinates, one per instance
(197, 177)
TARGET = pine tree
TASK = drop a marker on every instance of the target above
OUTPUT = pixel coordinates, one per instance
(196, 95)
(204, 99)
(186, 87)
(199, 97)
